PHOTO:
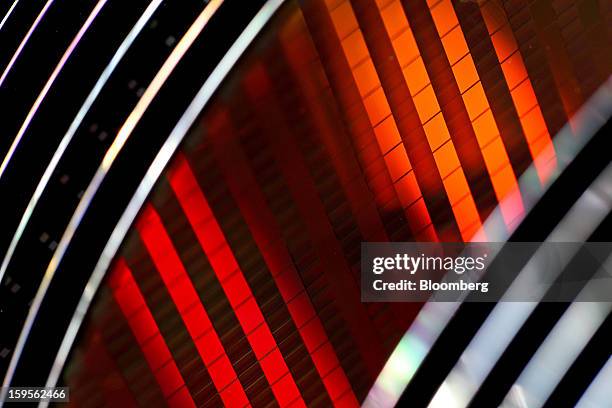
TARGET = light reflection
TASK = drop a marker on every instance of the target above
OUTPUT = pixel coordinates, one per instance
(160, 78)
(434, 316)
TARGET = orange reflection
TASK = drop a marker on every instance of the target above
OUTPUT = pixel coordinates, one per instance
(521, 90)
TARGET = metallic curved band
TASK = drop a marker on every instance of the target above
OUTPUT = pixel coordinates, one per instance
(76, 122)
(8, 14)
(159, 163)
(111, 154)
(24, 41)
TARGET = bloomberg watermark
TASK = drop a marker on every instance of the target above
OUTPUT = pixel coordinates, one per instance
(486, 272)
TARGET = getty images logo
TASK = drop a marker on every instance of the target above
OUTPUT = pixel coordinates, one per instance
(412, 264)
